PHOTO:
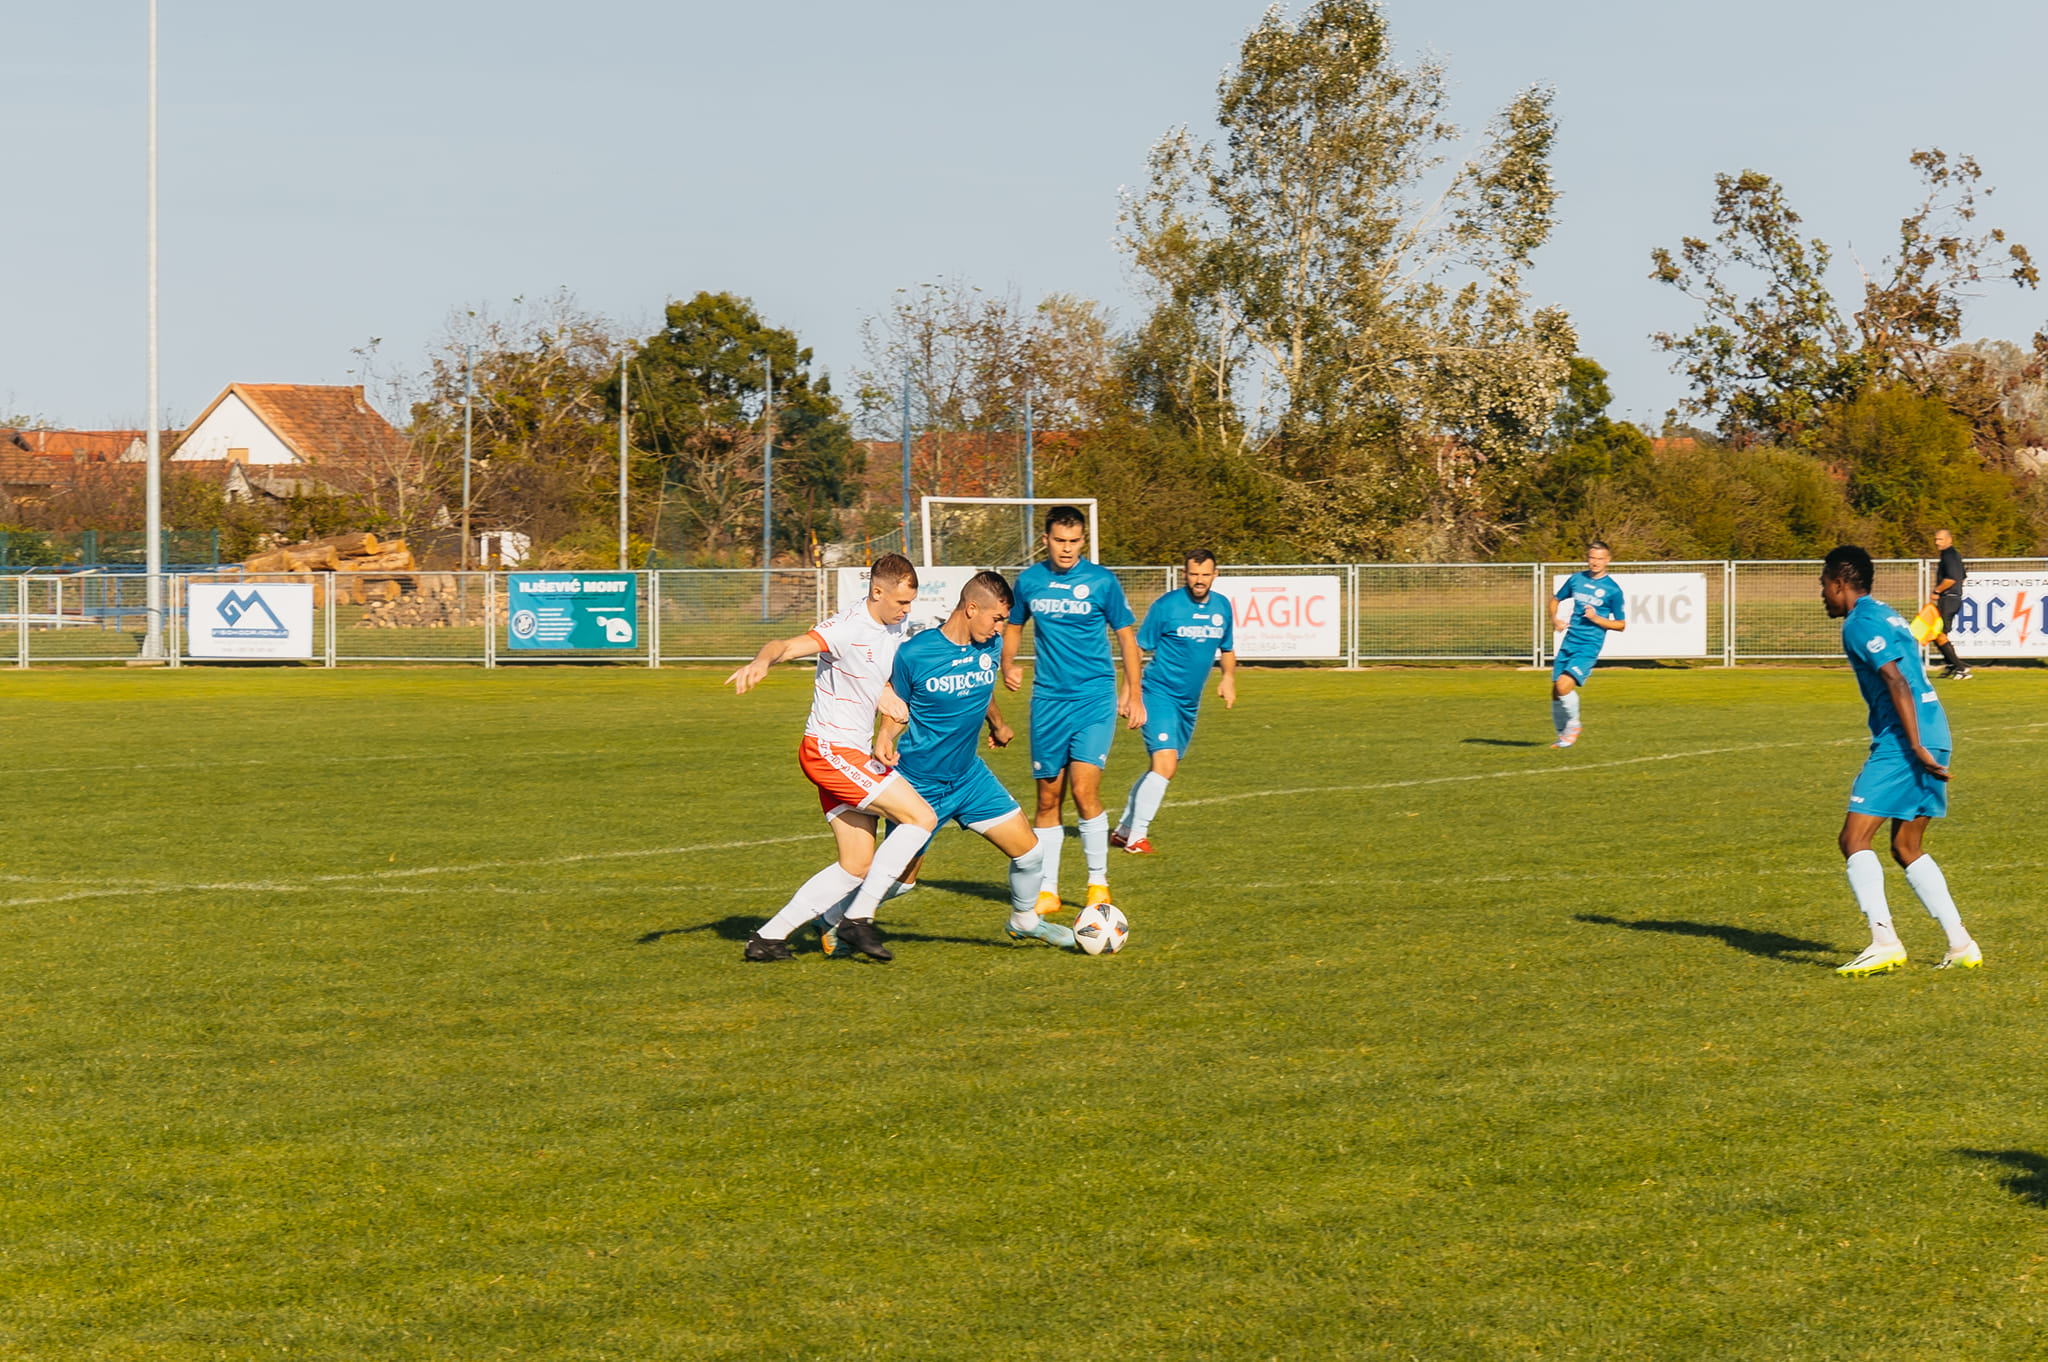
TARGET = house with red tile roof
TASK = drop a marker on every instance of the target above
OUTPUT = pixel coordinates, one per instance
(290, 423)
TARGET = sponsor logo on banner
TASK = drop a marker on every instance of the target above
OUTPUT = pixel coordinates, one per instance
(1281, 618)
(2002, 616)
(264, 620)
(1666, 613)
(938, 591)
(572, 610)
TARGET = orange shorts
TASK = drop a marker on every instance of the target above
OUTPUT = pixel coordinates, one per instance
(846, 777)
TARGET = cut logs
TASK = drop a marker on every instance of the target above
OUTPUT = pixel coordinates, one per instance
(345, 554)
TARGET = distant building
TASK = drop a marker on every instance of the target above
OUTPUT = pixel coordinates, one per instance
(258, 424)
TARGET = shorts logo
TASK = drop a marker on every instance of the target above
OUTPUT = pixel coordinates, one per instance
(1855, 799)
(1163, 735)
(1081, 592)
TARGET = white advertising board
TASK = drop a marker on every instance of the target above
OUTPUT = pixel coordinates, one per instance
(1667, 615)
(938, 591)
(253, 619)
(2002, 616)
(1286, 618)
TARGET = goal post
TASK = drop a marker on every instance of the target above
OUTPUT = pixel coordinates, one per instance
(925, 505)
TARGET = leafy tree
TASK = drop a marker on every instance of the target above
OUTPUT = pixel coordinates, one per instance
(1913, 468)
(699, 388)
(1383, 357)
(1767, 366)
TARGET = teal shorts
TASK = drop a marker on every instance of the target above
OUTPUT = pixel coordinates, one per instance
(1894, 785)
(1066, 731)
(977, 801)
(1170, 722)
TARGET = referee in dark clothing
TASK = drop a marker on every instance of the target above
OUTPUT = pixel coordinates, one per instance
(1948, 598)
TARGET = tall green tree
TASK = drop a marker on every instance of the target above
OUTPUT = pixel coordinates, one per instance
(699, 397)
(1384, 356)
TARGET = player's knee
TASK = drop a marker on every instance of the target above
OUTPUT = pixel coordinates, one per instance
(1031, 862)
(923, 817)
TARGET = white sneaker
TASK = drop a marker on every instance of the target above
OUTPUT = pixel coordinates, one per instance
(1963, 957)
(1875, 959)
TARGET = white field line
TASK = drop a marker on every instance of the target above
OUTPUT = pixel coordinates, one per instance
(368, 879)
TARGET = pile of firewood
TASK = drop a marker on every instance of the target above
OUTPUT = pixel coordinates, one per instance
(360, 556)
(432, 600)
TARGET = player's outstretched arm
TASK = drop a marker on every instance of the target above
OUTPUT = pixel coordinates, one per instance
(1909, 718)
(1226, 689)
(782, 650)
(1130, 695)
(1013, 670)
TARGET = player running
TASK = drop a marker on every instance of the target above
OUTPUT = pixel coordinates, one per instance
(1076, 694)
(855, 650)
(1905, 778)
(1596, 610)
(1187, 631)
(947, 677)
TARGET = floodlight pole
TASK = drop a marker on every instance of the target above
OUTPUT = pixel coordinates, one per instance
(906, 458)
(1028, 491)
(622, 460)
(153, 478)
(767, 481)
(468, 405)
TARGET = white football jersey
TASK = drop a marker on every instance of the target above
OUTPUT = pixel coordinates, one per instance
(853, 668)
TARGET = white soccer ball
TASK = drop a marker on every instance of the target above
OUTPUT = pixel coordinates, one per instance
(1101, 930)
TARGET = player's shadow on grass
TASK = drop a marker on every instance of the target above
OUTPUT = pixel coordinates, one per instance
(1501, 742)
(738, 928)
(2029, 1183)
(1771, 945)
(734, 928)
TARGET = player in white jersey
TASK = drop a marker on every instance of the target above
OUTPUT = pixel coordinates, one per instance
(855, 650)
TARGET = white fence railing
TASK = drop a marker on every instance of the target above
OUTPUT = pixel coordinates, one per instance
(1718, 611)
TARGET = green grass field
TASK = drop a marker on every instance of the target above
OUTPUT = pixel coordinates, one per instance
(401, 1014)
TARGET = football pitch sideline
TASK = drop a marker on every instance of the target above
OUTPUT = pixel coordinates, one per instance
(401, 1014)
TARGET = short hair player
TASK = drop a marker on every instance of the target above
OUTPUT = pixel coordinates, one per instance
(1589, 608)
(1188, 631)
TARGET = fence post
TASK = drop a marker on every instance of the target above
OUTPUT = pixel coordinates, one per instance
(21, 621)
(490, 620)
(1536, 616)
(1351, 585)
(327, 634)
(1728, 613)
(653, 618)
(174, 592)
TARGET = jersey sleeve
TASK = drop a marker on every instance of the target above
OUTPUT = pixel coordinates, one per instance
(1148, 632)
(1019, 610)
(1229, 644)
(1619, 603)
(1564, 590)
(1115, 608)
(1873, 641)
(830, 634)
(900, 679)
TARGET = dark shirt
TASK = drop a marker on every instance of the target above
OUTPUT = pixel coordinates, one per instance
(1952, 571)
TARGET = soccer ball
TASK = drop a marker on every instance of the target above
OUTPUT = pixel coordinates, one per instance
(1101, 930)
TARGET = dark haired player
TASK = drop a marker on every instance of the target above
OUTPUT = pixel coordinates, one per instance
(1596, 609)
(1076, 694)
(1187, 632)
(1905, 778)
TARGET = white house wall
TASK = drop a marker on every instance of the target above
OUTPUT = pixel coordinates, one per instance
(232, 425)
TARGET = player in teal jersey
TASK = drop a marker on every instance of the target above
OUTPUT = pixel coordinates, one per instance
(947, 679)
(1187, 631)
(1905, 778)
(1076, 694)
(1596, 609)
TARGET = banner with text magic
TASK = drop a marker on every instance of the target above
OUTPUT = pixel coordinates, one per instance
(1286, 618)
(2002, 616)
(555, 610)
(1667, 615)
(938, 590)
(254, 620)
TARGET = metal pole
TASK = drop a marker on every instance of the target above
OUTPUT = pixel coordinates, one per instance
(1028, 475)
(622, 460)
(468, 404)
(906, 458)
(153, 516)
(767, 481)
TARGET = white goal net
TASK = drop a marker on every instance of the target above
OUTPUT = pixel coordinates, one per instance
(996, 531)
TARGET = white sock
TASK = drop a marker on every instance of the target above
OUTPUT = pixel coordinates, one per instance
(1025, 876)
(1145, 797)
(1564, 710)
(1049, 840)
(837, 912)
(1866, 882)
(892, 858)
(1130, 813)
(1932, 887)
(1095, 846)
(819, 895)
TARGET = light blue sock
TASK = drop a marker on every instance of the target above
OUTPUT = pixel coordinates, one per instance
(1866, 882)
(1564, 710)
(1049, 842)
(1026, 874)
(1151, 790)
(1932, 887)
(1095, 846)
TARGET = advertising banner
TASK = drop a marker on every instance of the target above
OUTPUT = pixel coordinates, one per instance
(938, 590)
(255, 619)
(1286, 618)
(2002, 616)
(1667, 615)
(555, 610)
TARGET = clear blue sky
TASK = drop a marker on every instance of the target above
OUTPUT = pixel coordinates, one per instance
(337, 173)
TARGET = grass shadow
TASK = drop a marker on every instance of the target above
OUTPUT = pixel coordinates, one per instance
(739, 928)
(1501, 742)
(734, 928)
(1769, 945)
(2029, 1183)
(974, 889)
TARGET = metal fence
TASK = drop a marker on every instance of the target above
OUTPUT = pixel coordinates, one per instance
(1391, 612)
